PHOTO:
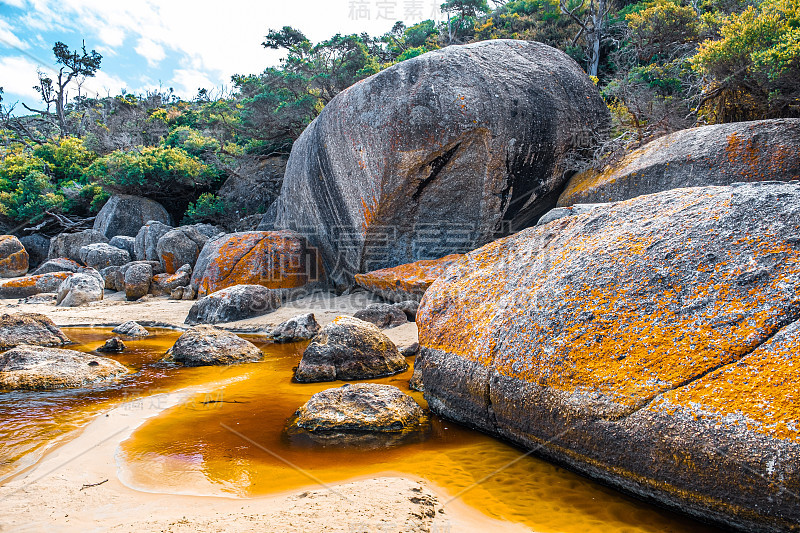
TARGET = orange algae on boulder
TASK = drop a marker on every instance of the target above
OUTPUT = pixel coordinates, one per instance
(635, 342)
(273, 259)
(409, 281)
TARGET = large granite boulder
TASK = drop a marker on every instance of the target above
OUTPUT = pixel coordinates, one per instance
(349, 348)
(647, 345)
(125, 215)
(60, 264)
(296, 329)
(709, 155)
(36, 368)
(406, 282)
(69, 244)
(360, 407)
(234, 303)
(274, 259)
(37, 246)
(182, 245)
(146, 243)
(101, 255)
(207, 345)
(32, 285)
(13, 257)
(79, 290)
(29, 328)
(440, 154)
(254, 186)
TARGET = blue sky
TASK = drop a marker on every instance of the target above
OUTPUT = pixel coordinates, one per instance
(174, 43)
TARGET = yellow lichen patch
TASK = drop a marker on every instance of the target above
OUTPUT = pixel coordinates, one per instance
(276, 260)
(610, 314)
(414, 278)
(15, 263)
(758, 392)
(370, 211)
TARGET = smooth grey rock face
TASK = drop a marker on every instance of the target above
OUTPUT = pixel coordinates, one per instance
(299, 328)
(571, 211)
(79, 290)
(131, 329)
(69, 244)
(125, 215)
(101, 255)
(29, 328)
(61, 264)
(182, 245)
(385, 316)
(254, 187)
(349, 348)
(146, 245)
(38, 368)
(720, 154)
(234, 303)
(125, 243)
(207, 345)
(37, 246)
(616, 341)
(439, 154)
(137, 278)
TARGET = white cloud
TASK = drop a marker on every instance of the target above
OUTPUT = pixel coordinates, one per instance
(102, 84)
(187, 82)
(15, 3)
(111, 36)
(18, 75)
(8, 38)
(154, 53)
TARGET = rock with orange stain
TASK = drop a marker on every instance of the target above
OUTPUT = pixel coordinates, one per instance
(721, 154)
(164, 284)
(406, 282)
(30, 328)
(13, 257)
(32, 285)
(273, 259)
(651, 345)
(440, 154)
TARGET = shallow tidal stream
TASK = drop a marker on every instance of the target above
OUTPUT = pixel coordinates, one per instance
(230, 440)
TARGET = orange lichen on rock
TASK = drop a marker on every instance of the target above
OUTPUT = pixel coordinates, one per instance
(13, 257)
(619, 315)
(413, 278)
(273, 259)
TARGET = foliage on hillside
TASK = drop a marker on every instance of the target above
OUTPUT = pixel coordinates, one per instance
(661, 65)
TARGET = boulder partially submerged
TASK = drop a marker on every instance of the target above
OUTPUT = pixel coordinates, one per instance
(439, 154)
(296, 329)
(367, 407)
(406, 282)
(648, 345)
(30, 328)
(234, 303)
(207, 345)
(37, 368)
(131, 329)
(349, 348)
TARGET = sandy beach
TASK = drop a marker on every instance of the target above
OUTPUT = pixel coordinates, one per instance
(78, 486)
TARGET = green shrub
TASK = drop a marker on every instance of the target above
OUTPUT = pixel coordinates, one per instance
(208, 208)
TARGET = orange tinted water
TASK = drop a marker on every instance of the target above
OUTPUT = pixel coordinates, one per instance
(230, 440)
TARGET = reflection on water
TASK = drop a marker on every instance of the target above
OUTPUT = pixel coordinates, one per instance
(231, 440)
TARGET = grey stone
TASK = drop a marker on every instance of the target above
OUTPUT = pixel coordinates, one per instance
(382, 315)
(125, 215)
(37, 246)
(207, 345)
(69, 244)
(349, 348)
(38, 368)
(131, 329)
(102, 255)
(125, 243)
(29, 328)
(137, 278)
(79, 290)
(481, 137)
(61, 264)
(146, 244)
(234, 303)
(299, 328)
